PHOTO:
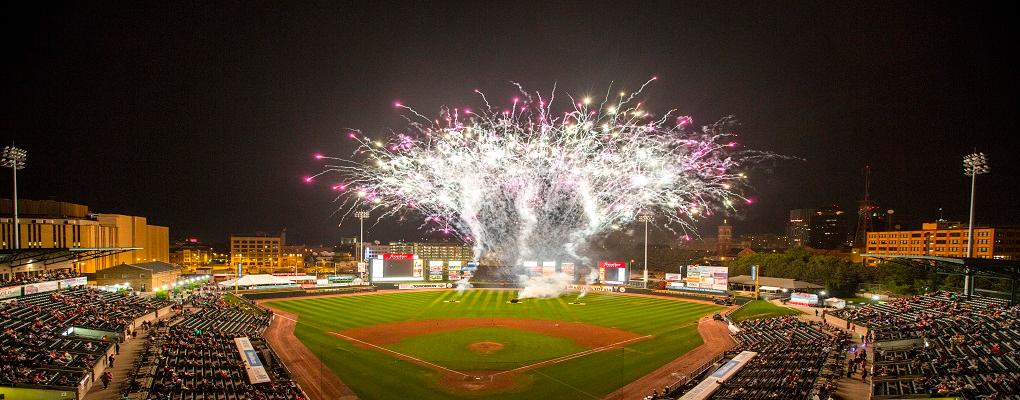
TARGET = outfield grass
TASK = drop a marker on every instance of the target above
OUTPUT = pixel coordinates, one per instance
(374, 375)
(761, 309)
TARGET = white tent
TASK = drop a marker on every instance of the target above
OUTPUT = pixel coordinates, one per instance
(297, 278)
(257, 280)
(835, 303)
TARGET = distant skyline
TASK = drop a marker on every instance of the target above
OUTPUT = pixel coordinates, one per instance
(204, 117)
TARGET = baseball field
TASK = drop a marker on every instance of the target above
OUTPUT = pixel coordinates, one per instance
(441, 344)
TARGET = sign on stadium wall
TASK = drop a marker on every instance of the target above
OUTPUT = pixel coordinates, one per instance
(393, 256)
(40, 287)
(73, 282)
(9, 292)
(596, 288)
(409, 286)
(252, 363)
(806, 299)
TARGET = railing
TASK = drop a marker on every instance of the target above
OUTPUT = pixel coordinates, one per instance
(697, 372)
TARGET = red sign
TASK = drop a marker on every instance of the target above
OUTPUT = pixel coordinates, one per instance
(389, 256)
(612, 264)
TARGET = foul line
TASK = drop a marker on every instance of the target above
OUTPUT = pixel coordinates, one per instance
(567, 357)
(401, 355)
(572, 356)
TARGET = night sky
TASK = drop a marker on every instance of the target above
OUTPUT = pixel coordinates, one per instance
(205, 117)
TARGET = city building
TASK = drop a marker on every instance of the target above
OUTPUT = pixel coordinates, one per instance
(293, 258)
(57, 224)
(425, 251)
(724, 239)
(259, 253)
(948, 239)
(798, 230)
(764, 242)
(193, 255)
(828, 228)
(143, 277)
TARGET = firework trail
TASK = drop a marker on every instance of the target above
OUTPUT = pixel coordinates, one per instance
(526, 181)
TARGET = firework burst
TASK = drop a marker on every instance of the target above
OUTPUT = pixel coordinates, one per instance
(523, 181)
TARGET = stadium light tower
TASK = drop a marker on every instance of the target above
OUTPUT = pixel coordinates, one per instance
(14, 158)
(361, 215)
(973, 165)
(646, 218)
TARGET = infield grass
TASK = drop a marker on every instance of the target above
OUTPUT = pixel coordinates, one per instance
(519, 348)
(375, 375)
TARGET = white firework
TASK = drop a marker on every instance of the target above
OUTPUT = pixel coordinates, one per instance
(525, 182)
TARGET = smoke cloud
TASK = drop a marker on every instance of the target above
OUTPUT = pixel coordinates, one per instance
(543, 287)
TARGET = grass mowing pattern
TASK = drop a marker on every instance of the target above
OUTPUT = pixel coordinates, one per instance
(761, 309)
(374, 375)
(520, 348)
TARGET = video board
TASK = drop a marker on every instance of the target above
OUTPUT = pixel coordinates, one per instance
(390, 267)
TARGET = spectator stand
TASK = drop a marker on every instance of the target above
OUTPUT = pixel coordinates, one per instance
(794, 360)
(194, 356)
(968, 348)
(44, 356)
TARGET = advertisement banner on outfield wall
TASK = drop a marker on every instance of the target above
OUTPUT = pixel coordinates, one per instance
(567, 268)
(73, 282)
(674, 277)
(453, 270)
(707, 278)
(252, 363)
(9, 292)
(411, 286)
(40, 287)
(596, 288)
(436, 270)
(548, 268)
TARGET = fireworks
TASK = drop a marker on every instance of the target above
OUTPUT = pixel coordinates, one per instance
(529, 181)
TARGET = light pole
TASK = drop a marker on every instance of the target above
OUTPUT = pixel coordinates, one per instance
(646, 218)
(14, 158)
(361, 215)
(973, 165)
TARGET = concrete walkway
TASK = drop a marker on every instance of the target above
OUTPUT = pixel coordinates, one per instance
(122, 365)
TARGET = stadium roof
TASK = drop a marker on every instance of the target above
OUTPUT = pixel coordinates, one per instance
(152, 266)
(13, 258)
(969, 266)
(1007, 269)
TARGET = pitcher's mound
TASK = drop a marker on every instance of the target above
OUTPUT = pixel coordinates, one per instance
(485, 347)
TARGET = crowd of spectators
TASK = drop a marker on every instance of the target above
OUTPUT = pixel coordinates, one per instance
(795, 360)
(792, 356)
(967, 348)
(36, 346)
(36, 277)
(195, 357)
